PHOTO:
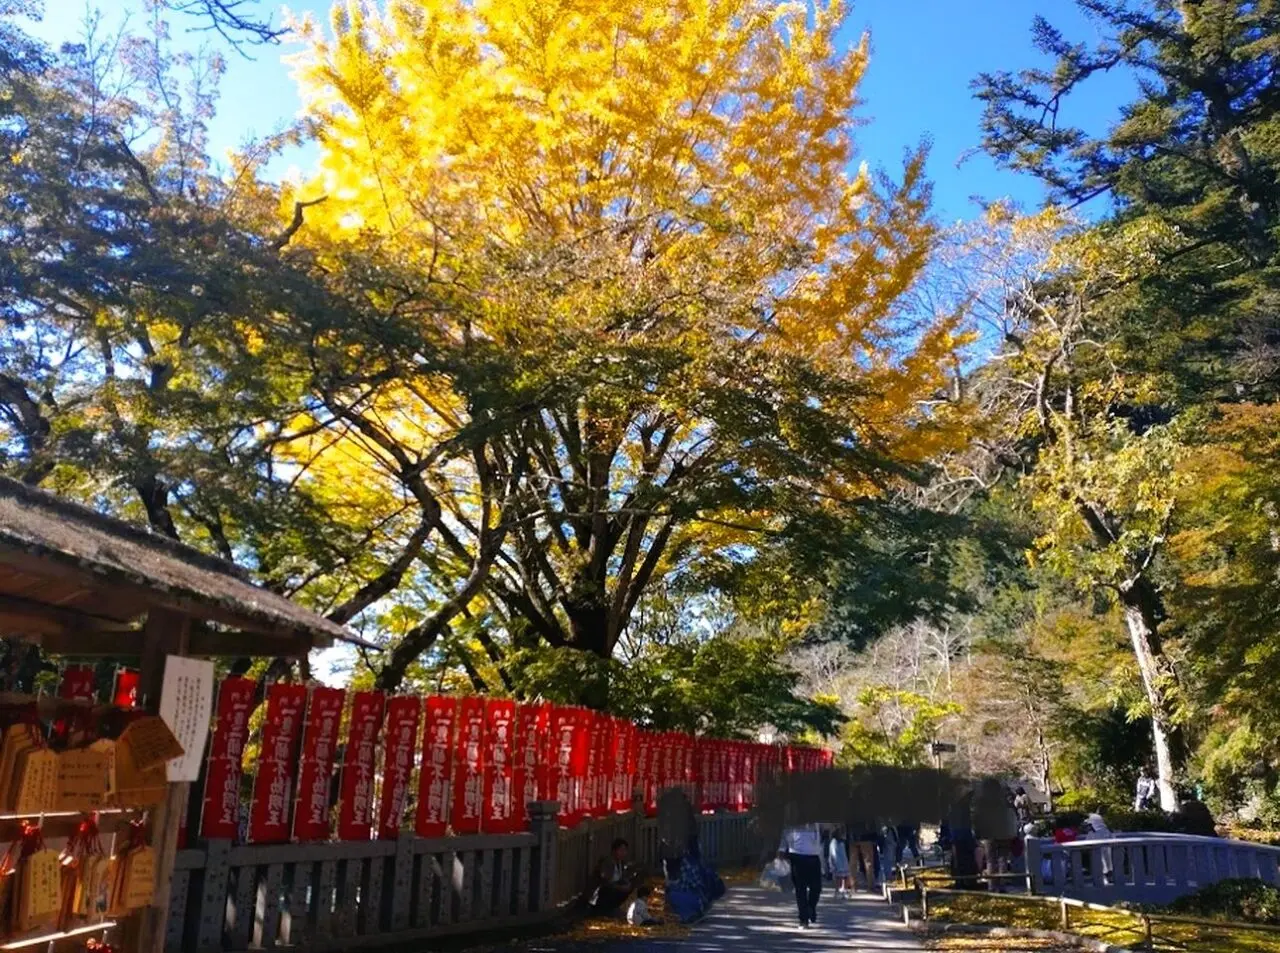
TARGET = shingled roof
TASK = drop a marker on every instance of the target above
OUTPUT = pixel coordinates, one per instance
(55, 553)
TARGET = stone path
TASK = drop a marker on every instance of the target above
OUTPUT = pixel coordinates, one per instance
(750, 920)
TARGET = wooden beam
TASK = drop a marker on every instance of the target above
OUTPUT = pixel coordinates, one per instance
(206, 643)
(166, 633)
(47, 617)
(109, 586)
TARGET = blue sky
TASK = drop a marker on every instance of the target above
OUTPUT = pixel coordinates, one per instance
(924, 54)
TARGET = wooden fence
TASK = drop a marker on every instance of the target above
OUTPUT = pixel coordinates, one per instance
(1144, 868)
(350, 894)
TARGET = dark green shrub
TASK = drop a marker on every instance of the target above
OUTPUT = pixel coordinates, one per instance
(1245, 900)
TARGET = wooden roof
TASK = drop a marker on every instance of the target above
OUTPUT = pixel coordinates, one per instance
(81, 581)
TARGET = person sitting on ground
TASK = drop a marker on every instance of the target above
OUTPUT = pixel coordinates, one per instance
(638, 913)
(615, 880)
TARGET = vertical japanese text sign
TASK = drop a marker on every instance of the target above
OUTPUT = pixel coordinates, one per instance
(499, 768)
(583, 741)
(403, 713)
(601, 746)
(355, 812)
(619, 783)
(437, 762)
(468, 782)
(644, 748)
(564, 731)
(273, 785)
(532, 756)
(670, 743)
(319, 745)
(220, 811)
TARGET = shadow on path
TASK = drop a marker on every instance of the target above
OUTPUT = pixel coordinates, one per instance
(750, 920)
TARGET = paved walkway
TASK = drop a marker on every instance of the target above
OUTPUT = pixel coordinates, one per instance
(750, 920)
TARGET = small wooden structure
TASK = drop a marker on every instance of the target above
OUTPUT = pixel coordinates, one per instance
(81, 583)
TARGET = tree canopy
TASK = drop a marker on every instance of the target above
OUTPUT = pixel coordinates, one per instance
(590, 364)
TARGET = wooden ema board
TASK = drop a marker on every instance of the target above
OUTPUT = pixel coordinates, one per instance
(132, 881)
(141, 754)
(82, 779)
(39, 882)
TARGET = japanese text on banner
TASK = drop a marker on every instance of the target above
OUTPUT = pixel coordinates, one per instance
(273, 785)
(319, 748)
(435, 777)
(468, 791)
(403, 713)
(499, 770)
(220, 812)
(355, 812)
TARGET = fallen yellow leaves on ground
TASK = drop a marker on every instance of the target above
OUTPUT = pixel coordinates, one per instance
(983, 944)
(1117, 927)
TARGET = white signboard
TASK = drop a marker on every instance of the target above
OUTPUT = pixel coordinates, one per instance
(186, 705)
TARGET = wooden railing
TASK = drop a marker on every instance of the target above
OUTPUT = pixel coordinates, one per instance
(1144, 868)
(344, 895)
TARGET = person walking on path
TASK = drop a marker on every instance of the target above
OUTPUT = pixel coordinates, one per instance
(802, 848)
(838, 860)
(862, 854)
(1145, 795)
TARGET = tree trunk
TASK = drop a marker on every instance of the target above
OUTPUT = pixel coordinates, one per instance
(1141, 621)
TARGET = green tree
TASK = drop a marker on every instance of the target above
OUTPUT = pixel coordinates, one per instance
(1194, 152)
(158, 325)
(893, 727)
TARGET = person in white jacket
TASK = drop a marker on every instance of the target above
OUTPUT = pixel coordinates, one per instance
(802, 847)
(1096, 829)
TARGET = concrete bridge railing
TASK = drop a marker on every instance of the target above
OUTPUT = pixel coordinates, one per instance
(1142, 867)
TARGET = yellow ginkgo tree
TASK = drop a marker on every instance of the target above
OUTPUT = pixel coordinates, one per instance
(662, 299)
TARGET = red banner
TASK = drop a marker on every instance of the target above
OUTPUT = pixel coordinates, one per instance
(688, 770)
(563, 746)
(319, 743)
(126, 693)
(281, 734)
(500, 815)
(437, 760)
(583, 746)
(707, 773)
(667, 771)
(600, 768)
(355, 812)
(468, 778)
(220, 812)
(403, 713)
(78, 683)
(619, 759)
(737, 800)
(532, 777)
(653, 774)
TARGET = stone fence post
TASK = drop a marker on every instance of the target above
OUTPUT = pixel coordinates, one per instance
(544, 824)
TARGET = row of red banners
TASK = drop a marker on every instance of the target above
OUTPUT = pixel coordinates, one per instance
(482, 761)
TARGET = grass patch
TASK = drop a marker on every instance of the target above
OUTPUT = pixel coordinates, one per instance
(1117, 927)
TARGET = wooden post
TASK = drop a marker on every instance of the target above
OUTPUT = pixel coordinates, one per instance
(165, 633)
(1065, 912)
